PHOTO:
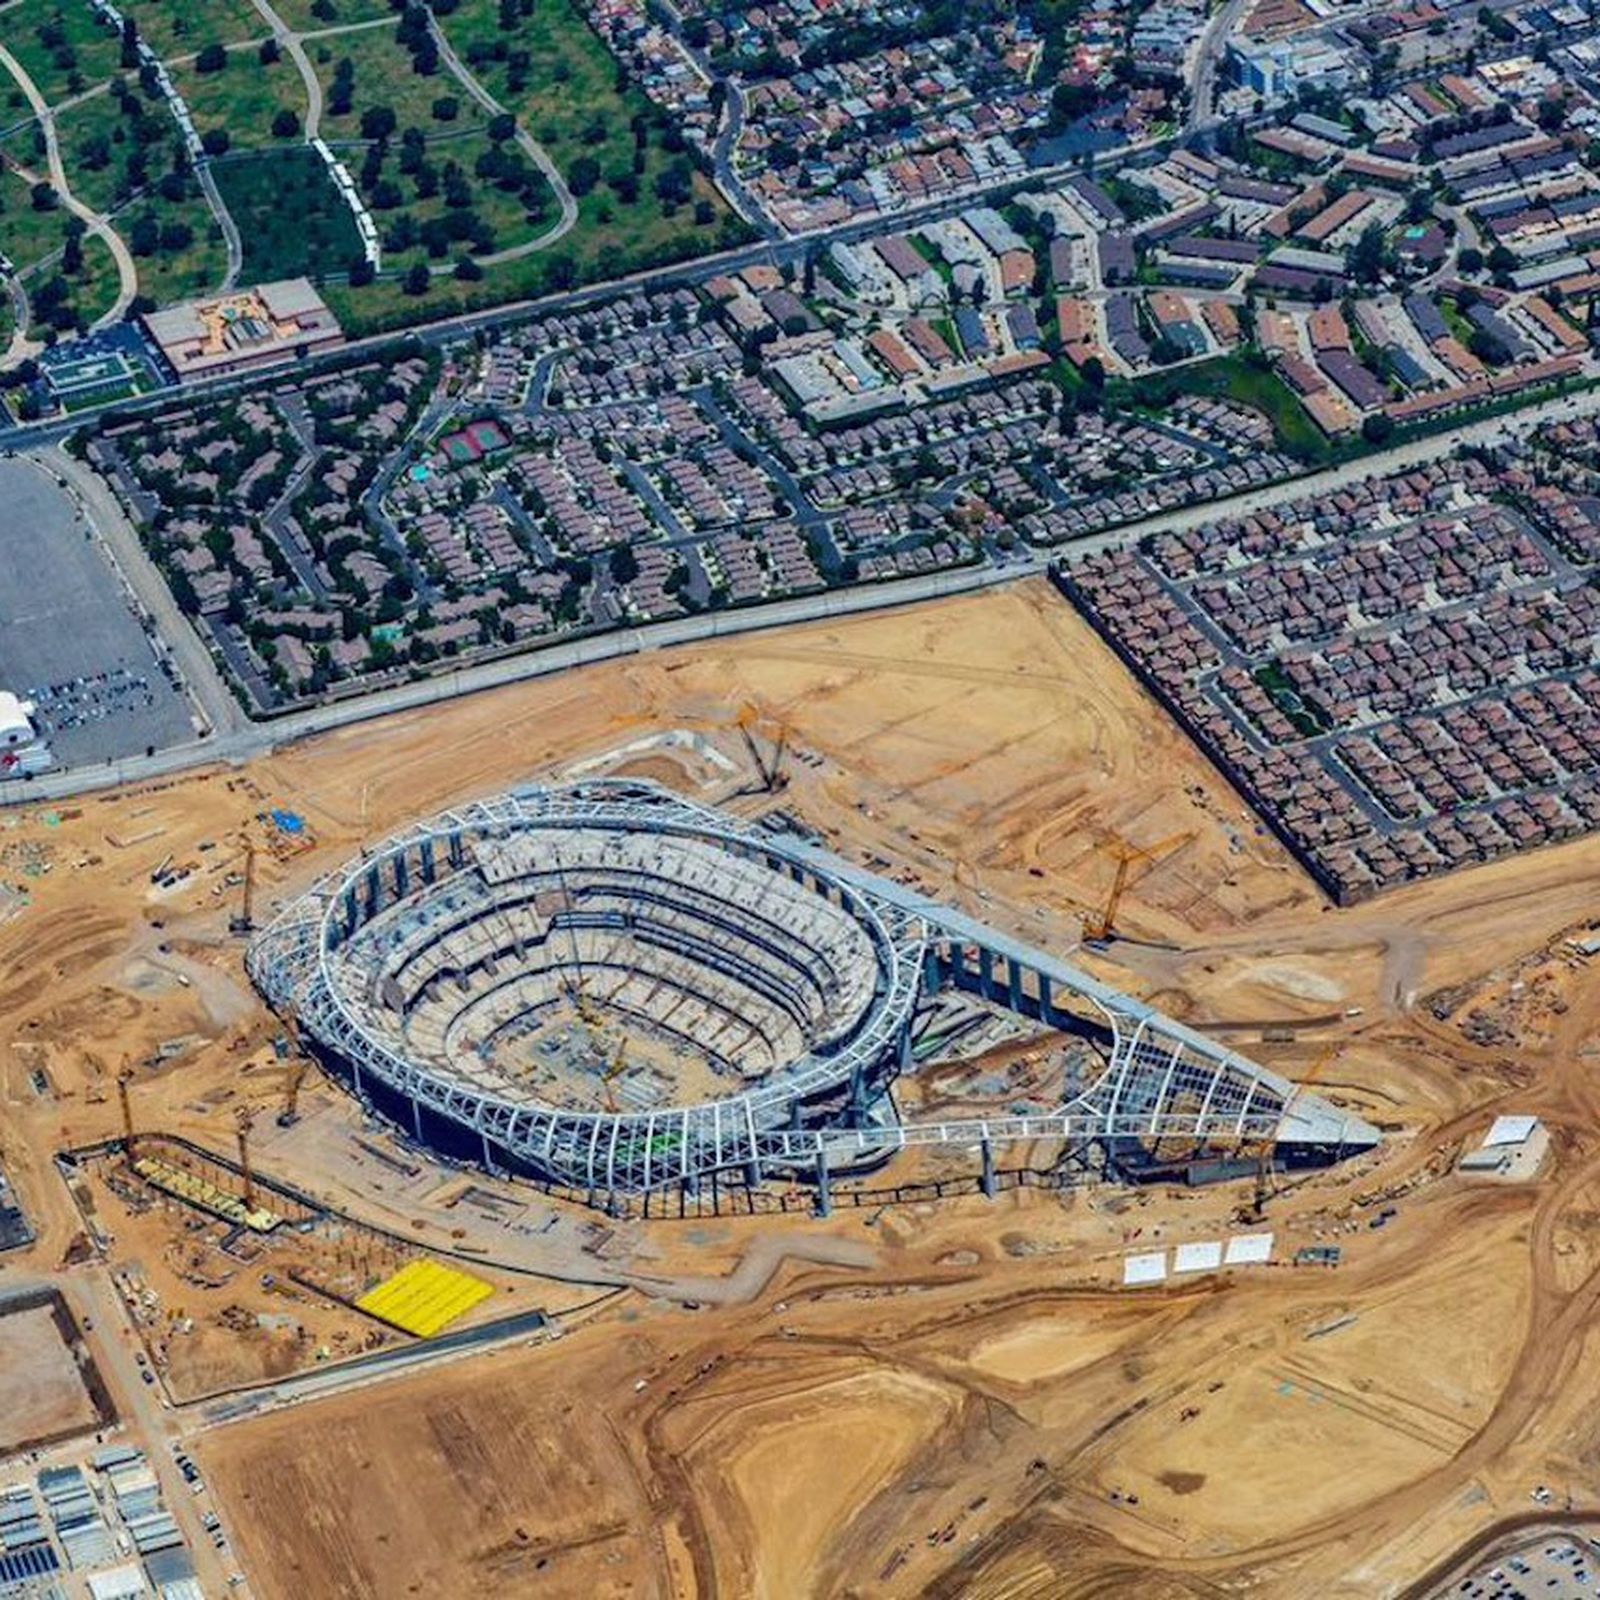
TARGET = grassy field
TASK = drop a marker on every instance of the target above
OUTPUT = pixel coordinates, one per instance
(560, 81)
(243, 99)
(290, 216)
(569, 100)
(314, 16)
(181, 272)
(26, 236)
(505, 219)
(640, 201)
(100, 141)
(1235, 378)
(84, 295)
(177, 28)
(383, 77)
(61, 45)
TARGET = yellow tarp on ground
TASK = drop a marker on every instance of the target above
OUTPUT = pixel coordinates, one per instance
(425, 1297)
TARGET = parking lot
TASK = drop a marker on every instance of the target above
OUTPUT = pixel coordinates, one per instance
(68, 637)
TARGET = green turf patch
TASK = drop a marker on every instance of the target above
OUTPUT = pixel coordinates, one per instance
(1234, 377)
(62, 45)
(178, 28)
(291, 217)
(244, 98)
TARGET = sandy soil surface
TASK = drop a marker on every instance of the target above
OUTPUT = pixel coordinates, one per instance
(910, 1399)
(41, 1392)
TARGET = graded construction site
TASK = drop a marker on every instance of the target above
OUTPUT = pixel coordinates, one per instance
(934, 1390)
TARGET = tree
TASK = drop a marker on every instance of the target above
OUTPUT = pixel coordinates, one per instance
(213, 58)
(417, 279)
(468, 270)
(674, 184)
(624, 565)
(1377, 428)
(216, 141)
(583, 175)
(502, 127)
(269, 52)
(1369, 254)
(285, 125)
(361, 273)
(377, 122)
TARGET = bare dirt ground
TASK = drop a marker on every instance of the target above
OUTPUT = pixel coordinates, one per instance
(914, 1399)
(41, 1390)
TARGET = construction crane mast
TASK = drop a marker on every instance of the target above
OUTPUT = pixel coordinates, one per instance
(1099, 928)
(244, 919)
(244, 1122)
(123, 1079)
(294, 1076)
(769, 768)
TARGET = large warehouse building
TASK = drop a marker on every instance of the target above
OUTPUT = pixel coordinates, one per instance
(608, 987)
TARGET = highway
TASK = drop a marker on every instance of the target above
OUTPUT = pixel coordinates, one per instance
(238, 741)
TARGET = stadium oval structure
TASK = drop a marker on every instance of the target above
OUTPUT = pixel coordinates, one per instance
(782, 980)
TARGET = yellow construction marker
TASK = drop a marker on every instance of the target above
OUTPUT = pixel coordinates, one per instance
(424, 1298)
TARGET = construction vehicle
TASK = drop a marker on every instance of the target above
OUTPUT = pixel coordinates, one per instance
(769, 768)
(243, 920)
(1099, 928)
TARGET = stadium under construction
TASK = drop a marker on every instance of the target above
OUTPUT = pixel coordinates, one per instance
(610, 988)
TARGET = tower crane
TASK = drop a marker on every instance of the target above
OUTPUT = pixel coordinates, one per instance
(294, 1076)
(244, 919)
(244, 1122)
(770, 769)
(1097, 929)
(613, 1071)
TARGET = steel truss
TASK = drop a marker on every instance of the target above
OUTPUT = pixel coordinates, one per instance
(1162, 1082)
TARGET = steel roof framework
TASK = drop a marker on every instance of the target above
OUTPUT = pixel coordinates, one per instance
(1163, 1081)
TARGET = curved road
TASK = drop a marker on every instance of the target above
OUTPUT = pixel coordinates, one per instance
(127, 273)
(21, 346)
(238, 740)
(292, 42)
(526, 142)
(230, 229)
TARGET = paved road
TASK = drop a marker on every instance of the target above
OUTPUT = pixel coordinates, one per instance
(21, 346)
(1213, 45)
(238, 741)
(213, 700)
(230, 229)
(291, 41)
(127, 273)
